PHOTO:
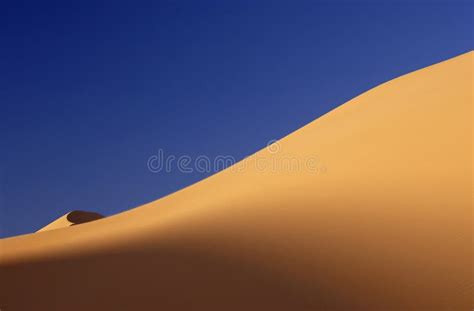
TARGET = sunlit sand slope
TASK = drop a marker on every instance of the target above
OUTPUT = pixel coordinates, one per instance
(381, 220)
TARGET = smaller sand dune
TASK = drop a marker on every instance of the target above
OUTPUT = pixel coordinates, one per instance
(71, 219)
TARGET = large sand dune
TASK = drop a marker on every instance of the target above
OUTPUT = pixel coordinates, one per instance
(383, 223)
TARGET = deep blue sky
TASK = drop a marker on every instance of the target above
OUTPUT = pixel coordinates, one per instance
(90, 90)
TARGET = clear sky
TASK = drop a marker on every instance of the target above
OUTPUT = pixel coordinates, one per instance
(89, 91)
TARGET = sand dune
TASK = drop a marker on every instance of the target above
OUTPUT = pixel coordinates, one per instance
(382, 221)
(71, 219)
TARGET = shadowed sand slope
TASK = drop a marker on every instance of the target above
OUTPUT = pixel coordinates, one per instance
(381, 219)
(71, 219)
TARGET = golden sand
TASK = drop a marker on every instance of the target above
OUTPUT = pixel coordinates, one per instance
(383, 223)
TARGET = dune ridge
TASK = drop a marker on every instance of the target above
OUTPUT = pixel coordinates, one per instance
(386, 226)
